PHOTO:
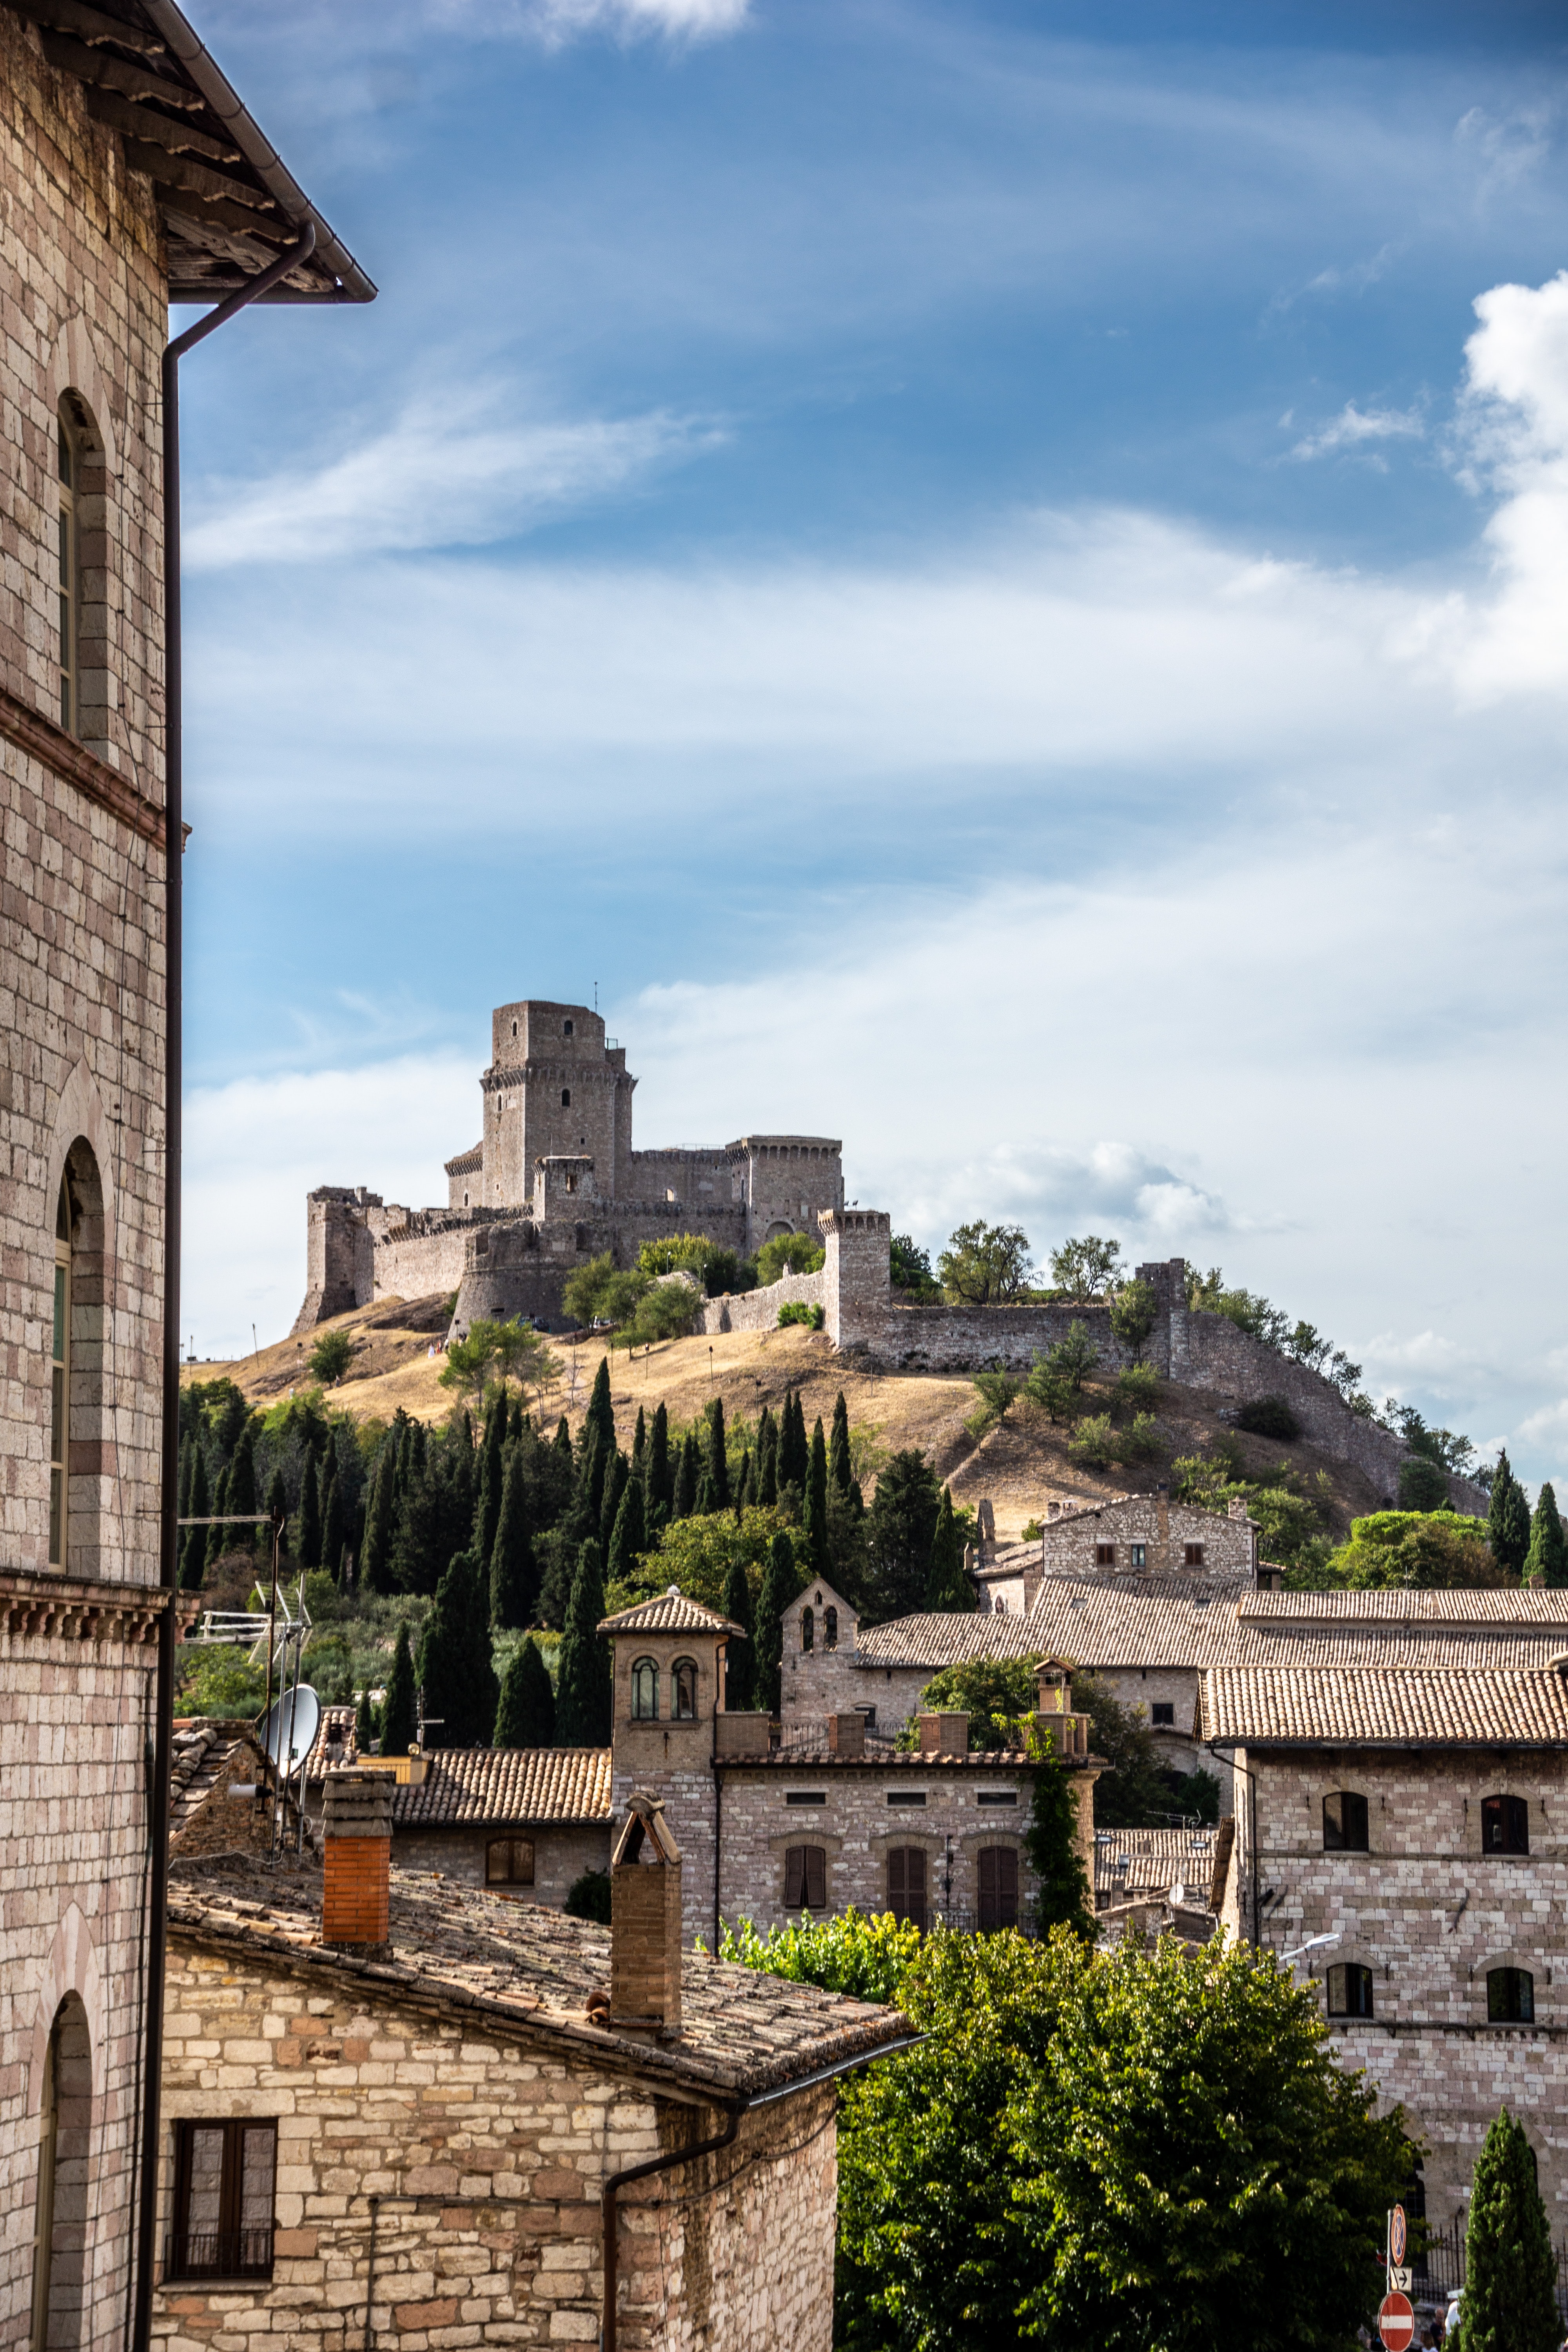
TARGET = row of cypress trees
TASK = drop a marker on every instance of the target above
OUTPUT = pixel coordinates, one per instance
(304, 1472)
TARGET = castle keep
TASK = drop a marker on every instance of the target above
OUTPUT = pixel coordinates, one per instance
(554, 1181)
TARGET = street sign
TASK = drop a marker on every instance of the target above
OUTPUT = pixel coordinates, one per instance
(1399, 2276)
(1396, 2238)
(1396, 2323)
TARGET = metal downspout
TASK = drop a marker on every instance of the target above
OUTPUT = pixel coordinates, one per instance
(168, 1535)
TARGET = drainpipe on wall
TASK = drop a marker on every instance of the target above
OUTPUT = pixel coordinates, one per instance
(158, 1923)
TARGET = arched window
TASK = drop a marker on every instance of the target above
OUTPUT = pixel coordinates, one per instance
(645, 1690)
(60, 1384)
(69, 576)
(830, 1629)
(998, 1888)
(565, 1097)
(75, 1328)
(683, 1690)
(808, 1630)
(509, 1861)
(907, 1883)
(1510, 1997)
(80, 560)
(1505, 1825)
(1345, 1823)
(1349, 1991)
(805, 1878)
(60, 2211)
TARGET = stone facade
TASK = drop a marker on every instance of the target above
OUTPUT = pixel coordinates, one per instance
(561, 1855)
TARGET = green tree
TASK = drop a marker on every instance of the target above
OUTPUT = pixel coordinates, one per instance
(739, 1656)
(628, 1538)
(1051, 1844)
(1547, 1558)
(1422, 1485)
(457, 1671)
(686, 1480)
(588, 1897)
(187, 1451)
(908, 1268)
(365, 1723)
(217, 1533)
(666, 1310)
(699, 1554)
(1507, 1520)
(277, 1507)
(497, 1351)
(514, 1573)
(902, 1529)
(767, 1460)
(241, 1532)
(797, 1253)
(639, 1448)
(985, 1265)
(718, 1460)
(375, 1564)
(947, 1586)
(329, 1359)
(1428, 1551)
(1510, 2270)
(399, 1709)
(815, 1515)
(1085, 1268)
(526, 1716)
(997, 1694)
(660, 1477)
(492, 1470)
(1133, 1311)
(601, 1411)
(780, 1583)
(1133, 1792)
(840, 1469)
(600, 1293)
(308, 1541)
(332, 1520)
(194, 1556)
(582, 1687)
(618, 1479)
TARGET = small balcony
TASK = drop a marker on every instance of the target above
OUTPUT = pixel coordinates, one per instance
(219, 2253)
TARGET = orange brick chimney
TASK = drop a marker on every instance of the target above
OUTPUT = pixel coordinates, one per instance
(645, 1922)
(357, 1856)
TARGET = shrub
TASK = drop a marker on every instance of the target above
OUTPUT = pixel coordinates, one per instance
(1134, 1311)
(329, 1359)
(1422, 1485)
(996, 1391)
(1137, 1389)
(1093, 1441)
(223, 1682)
(1426, 1549)
(1140, 1440)
(798, 1252)
(866, 1958)
(588, 1897)
(908, 1268)
(1270, 1416)
(664, 1311)
(797, 1311)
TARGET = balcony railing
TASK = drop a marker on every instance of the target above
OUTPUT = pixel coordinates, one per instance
(219, 2253)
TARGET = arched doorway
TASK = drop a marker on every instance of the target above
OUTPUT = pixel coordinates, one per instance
(59, 2225)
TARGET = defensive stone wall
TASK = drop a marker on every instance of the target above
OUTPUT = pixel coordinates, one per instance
(758, 1310)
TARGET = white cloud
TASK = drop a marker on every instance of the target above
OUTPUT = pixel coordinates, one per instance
(556, 21)
(1353, 429)
(1513, 439)
(455, 470)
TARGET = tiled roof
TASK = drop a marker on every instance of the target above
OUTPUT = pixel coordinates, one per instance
(339, 1726)
(742, 2031)
(507, 1785)
(1397, 1646)
(885, 1758)
(465, 1163)
(945, 1638)
(1398, 1604)
(1477, 1706)
(201, 1750)
(1149, 1862)
(670, 1613)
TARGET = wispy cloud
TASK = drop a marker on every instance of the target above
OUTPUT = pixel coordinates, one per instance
(1359, 430)
(555, 21)
(455, 470)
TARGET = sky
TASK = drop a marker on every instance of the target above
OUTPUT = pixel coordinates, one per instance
(985, 583)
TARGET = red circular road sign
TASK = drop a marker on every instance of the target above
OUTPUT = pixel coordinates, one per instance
(1396, 2235)
(1397, 2322)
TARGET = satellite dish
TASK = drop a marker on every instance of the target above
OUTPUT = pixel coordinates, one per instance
(292, 1729)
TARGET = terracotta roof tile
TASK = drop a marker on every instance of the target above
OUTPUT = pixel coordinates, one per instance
(1475, 1706)
(507, 1785)
(670, 1612)
(1148, 1861)
(1399, 1604)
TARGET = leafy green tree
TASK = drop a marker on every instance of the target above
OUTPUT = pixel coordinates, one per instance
(457, 1670)
(194, 1555)
(526, 1716)
(780, 1583)
(628, 1538)
(947, 1586)
(1086, 1268)
(276, 1507)
(791, 1252)
(375, 1565)
(330, 1358)
(908, 1268)
(718, 1461)
(745, 1484)
(985, 1265)
(639, 1447)
(1134, 1312)
(666, 1310)
(1064, 1899)
(660, 1476)
(187, 1452)
(816, 1517)
(997, 1694)
(902, 1529)
(1428, 1551)
(497, 1351)
(849, 1551)
(1547, 1558)
(399, 1709)
(588, 1897)
(1511, 2271)
(582, 1686)
(514, 1573)
(1422, 1485)
(1074, 1358)
(600, 1292)
(738, 1655)
(996, 1391)
(366, 1723)
(1133, 1792)
(767, 1460)
(1507, 1520)
(308, 1539)
(699, 1555)
(866, 1958)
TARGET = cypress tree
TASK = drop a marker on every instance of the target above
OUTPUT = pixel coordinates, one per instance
(639, 1447)
(375, 1562)
(795, 1454)
(1051, 1844)
(486, 1505)
(717, 1458)
(308, 1538)
(514, 1573)
(1548, 1555)
(601, 1413)
(591, 1467)
(738, 1654)
(526, 1716)
(660, 1476)
(399, 1709)
(563, 1443)
(217, 1532)
(333, 1521)
(278, 1506)
(685, 1496)
(767, 1461)
(456, 1668)
(364, 1721)
(947, 1587)
(242, 1491)
(187, 1456)
(1511, 2271)
(516, 1419)
(617, 1477)
(838, 1468)
(1507, 1520)
(194, 1558)
(745, 1496)
(814, 1520)
(780, 1585)
(628, 1538)
(583, 1689)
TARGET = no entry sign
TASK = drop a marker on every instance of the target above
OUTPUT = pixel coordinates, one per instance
(1396, 2323)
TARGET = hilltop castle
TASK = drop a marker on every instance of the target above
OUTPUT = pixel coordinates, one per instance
(554, 1181)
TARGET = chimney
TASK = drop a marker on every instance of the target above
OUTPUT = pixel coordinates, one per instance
(847, 1735)
(1055, 1722)
(944, 1735)
(356, 1857)
(645, 1922)
(1162, 1513)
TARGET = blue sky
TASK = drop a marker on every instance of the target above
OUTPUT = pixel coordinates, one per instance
(999, 590)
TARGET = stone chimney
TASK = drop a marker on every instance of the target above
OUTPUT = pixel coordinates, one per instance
(645, 1922)
(356, 1851)
(942, 1735)
(847, 1735)
(1055, 1722)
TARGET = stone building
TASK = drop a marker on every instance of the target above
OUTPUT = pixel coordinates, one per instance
(554, 1181)
(133, 176)
(1416, 1815)
(525, 1822)
(401, 2109)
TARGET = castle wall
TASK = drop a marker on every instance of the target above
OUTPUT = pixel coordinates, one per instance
(758, 1310)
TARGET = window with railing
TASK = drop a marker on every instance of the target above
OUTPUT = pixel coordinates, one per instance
(224, 2179)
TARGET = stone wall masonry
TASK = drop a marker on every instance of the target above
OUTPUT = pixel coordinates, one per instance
(560, 1854)
(488, 2154)
(758, 1310)
(1164, 1530)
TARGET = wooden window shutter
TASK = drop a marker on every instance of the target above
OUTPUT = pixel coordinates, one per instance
(795, 1877)
(815, 1859)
